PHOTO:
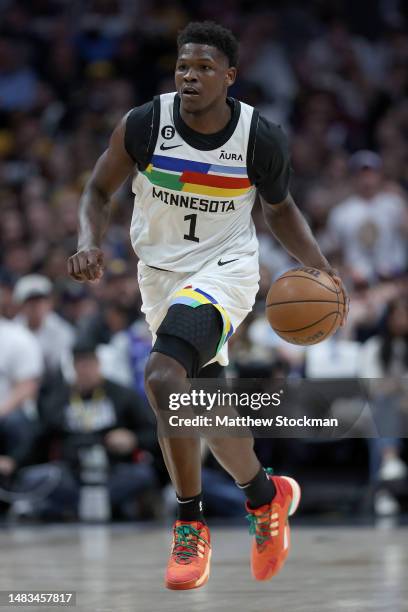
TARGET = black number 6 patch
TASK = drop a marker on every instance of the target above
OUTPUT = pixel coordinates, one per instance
(168, 132)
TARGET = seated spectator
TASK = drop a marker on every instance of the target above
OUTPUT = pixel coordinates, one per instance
(120, 301)
(21, 367)
(370, 226)
(333, 358)
(92, 418)
(261, 335)
(123, 360)
(384, 359)
(33, 295)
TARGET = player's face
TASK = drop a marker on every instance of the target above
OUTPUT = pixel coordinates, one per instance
(202, 76)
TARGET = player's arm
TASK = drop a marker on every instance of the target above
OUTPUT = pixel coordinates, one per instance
(289, 226)
(291, 229)
(271, 173)
(111, 170)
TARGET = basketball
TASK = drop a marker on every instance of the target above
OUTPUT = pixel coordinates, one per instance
(304, 306)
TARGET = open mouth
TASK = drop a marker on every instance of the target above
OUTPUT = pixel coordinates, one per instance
(189, 91)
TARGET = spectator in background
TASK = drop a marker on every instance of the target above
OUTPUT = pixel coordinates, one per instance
(33, 295)
(76, 303)
(90, 413)
(335, 179)
(384, 359)
(119, 296)
(21, 367)
(17, 259)
(370, 227)
(369, 307)
(334, 358)
(124, 358)
(7, 308)
(348, 64)
(264, 60)
(18, 83)
(317, 208)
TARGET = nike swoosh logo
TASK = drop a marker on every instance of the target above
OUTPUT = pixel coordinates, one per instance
(164, 148)
(223, 263)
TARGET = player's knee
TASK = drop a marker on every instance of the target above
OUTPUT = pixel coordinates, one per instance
(162, 373)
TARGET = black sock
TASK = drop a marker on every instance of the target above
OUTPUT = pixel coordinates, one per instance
(260, 490)
(190, 508)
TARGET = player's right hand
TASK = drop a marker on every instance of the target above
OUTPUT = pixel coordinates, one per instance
(346, 300)
(86, 265)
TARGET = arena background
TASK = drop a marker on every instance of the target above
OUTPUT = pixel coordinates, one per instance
(334, 75)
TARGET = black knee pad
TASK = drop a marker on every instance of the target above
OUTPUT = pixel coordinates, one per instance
(180, 350)
(190, 335)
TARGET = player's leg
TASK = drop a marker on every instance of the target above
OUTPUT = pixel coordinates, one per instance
(236, 455)
(268, 521)
(182, 456)
(186, 339)
(166, 372)
(270, 500)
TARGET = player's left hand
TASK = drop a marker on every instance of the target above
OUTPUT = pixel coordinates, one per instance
(346, 300)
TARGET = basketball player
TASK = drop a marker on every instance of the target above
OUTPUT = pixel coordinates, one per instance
(198, 159)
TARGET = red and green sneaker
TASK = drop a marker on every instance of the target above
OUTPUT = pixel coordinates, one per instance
(189, 563)
(270, 528)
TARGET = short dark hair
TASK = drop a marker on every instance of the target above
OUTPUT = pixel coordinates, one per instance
(212, 34)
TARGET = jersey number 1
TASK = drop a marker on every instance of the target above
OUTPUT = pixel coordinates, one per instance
(191, 234)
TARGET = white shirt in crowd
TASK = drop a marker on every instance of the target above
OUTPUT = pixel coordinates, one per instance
(20, 357)
(333, 358)
(369, 233)
(55, 337)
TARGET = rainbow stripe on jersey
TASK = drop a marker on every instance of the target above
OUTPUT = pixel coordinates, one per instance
(197, 177)
(197, 297)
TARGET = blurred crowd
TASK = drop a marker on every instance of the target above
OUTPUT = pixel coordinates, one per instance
(335, 76)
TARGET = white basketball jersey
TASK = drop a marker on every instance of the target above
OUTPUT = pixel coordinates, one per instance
(193, 206)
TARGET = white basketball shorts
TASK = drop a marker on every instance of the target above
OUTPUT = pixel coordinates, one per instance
(231, 287)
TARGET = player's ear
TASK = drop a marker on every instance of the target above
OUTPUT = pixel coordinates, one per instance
(230, 76)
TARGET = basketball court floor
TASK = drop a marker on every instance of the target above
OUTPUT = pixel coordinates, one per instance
(120, 569)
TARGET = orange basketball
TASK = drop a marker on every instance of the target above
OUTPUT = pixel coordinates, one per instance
(304, 306)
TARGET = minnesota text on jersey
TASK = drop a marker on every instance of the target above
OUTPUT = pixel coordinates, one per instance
(193, 203)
